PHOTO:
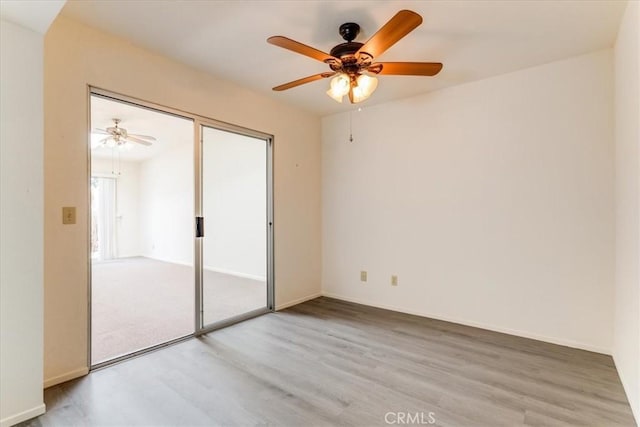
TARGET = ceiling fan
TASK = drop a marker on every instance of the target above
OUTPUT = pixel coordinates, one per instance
(352, 63)
(119, 137)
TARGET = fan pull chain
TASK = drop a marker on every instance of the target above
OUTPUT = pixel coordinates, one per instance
(113, 162)
(350, 126)
(351, 123)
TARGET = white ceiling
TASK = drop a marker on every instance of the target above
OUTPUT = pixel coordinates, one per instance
(36, 15)
(473, 39)
(169, 130)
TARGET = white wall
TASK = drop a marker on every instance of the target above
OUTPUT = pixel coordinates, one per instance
(626, 349)
(156, 205)
(77, 55)
(127, 201)
(21, 224)
(166, 204)
(234, 203)
(492, 202)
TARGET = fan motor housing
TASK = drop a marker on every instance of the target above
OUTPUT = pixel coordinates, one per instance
(345, 49)
(349, 31)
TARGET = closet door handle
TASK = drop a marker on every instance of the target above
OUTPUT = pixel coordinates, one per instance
(199, 226)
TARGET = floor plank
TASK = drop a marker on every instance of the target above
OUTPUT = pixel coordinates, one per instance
(330, 362)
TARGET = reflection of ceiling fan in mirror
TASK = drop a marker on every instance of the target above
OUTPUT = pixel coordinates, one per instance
(120, 138)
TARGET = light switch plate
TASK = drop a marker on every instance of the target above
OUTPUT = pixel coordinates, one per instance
(363, 276)
(69, 215)
(394, 280)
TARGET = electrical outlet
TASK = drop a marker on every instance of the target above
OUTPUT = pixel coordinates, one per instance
(363, 276)
(68, 215)
(394, 280)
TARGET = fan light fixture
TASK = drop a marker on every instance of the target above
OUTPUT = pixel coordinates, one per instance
(358, 88)
(364, 88)
(339, 87)
(115, 142)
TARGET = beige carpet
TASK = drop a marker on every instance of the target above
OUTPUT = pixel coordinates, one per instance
(140, 302)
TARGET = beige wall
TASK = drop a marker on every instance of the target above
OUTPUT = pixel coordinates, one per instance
(492, 201)
(626, 349)
(75, 56)
(21, 227)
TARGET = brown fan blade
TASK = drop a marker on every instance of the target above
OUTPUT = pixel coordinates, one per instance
(300, 48)
(399, 26)
(135, 135)
(303, 81)
(407, 68)
(139, 141)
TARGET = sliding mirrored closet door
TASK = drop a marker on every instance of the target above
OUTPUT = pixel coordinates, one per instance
(236, 225)
(160, 178)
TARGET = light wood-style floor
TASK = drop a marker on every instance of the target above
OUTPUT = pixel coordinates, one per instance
(328, 362)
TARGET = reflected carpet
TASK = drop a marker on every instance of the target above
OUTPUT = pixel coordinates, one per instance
(140, 302)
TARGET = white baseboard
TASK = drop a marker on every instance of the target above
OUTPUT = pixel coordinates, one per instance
(297, 301)
(23, 416)
(214, 269)
(68, 376)
(236, 273)
(518, 333)
(170, 261)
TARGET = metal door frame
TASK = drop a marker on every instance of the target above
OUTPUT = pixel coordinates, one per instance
(198, 122)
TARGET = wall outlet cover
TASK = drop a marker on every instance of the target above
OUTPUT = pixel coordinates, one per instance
(69, 215)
